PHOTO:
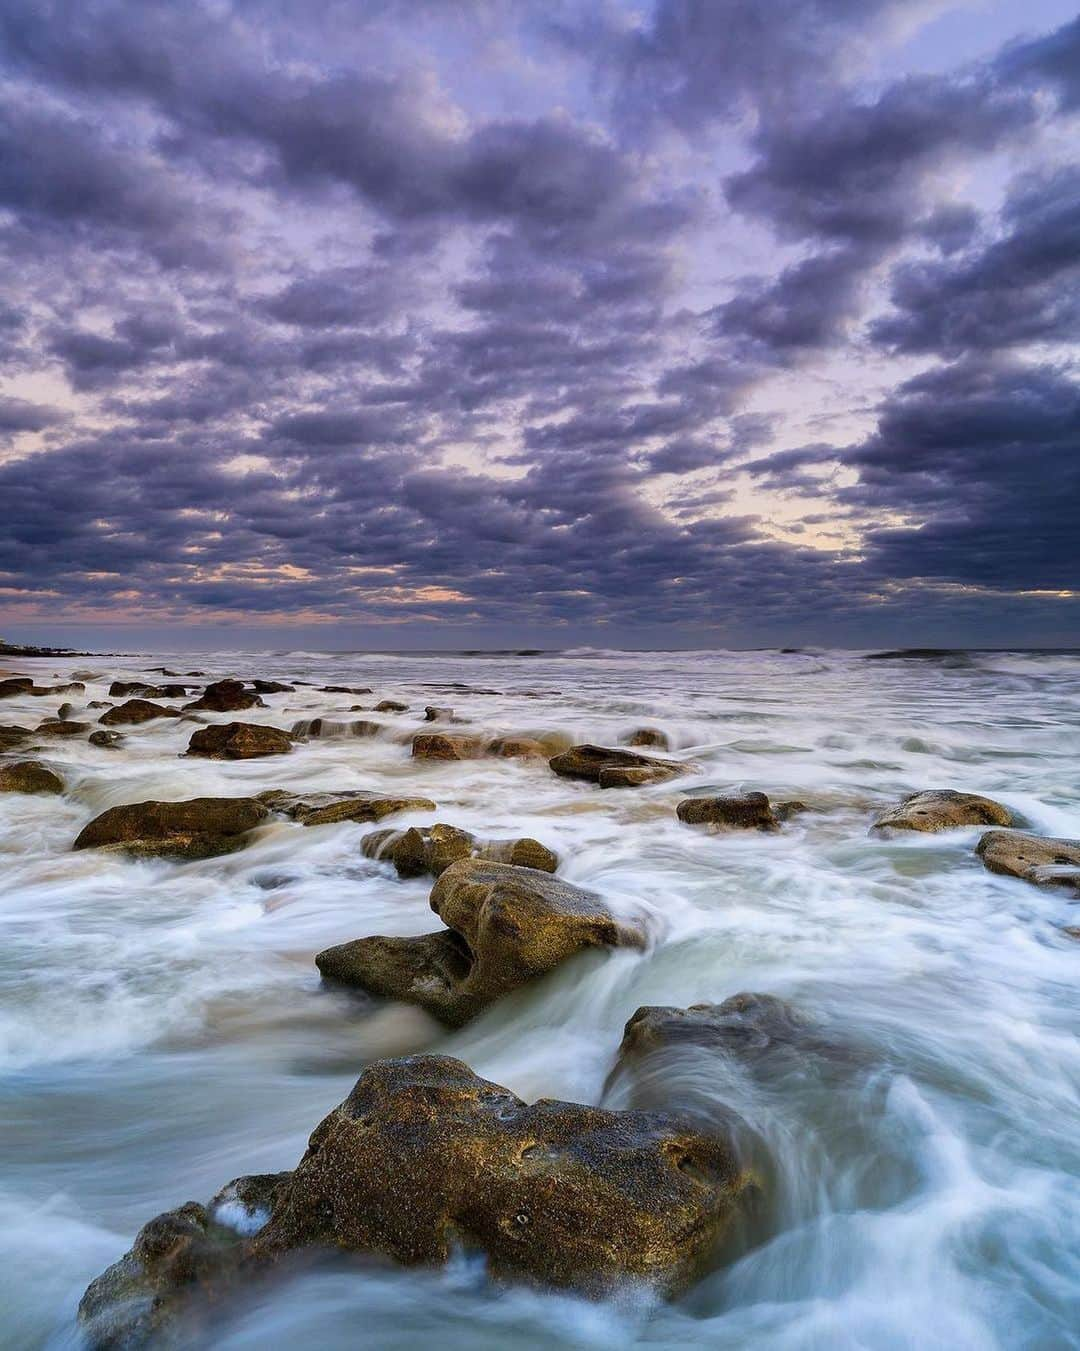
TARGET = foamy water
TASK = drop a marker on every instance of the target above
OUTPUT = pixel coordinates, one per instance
(163, 1027)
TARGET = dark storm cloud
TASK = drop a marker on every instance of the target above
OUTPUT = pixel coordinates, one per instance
(345, 331)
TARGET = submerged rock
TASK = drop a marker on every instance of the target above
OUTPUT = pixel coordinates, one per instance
(390, 706)
(1040, 859)
(517, 747)
(108, 740)
(733, 811)
(322, 809)
(225, 696)
(424, 1159)
(506, 926)
(12, 737)
(29, 776)
(446, 746)
(612, 767)
(432, 849)
(239, 741)
(649, 736)
(942, 809)
(346, 689)
(136, 711)
(324, 728)
(201, 827)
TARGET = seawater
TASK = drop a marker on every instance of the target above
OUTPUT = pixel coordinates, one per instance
(163, 1028)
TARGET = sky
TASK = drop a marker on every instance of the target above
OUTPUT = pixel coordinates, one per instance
(490, 323)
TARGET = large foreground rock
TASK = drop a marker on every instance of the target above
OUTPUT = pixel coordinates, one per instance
(942, 809)
(239, 741)
(136, 711)
(612, 767)
(325, 809)
(425, 1159)
(729, 811)
(202, 827)
(1040, 859)
(432, 849)
(29, 776)
(225, 696)
(506, 926)
(15, 685)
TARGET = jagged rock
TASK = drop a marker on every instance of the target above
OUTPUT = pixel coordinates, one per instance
(1040, 859)
(608, 766)
(942, 809)
(29, 776)
(446, 746)
(517, 747)
(12, 737)
(225, 696)
(432, 849)
(271, 687)
(239, 741)
(649, 736)
(390, 706)
(107, 740)
(735, 811)
(136, 711)
(506, 926)
(59, 727)
(422, 1159)
(201, 827)
(322, 809)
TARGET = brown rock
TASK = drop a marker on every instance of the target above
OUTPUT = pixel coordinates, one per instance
(201, 827)
(29, 776)
(11, 737)
(345, 689)
(136, 711)
(432, 849)
(271, 687)
(390, 706)
(649, 736)
(59, 727)
(15, 685)
(506, 926)
(433, 713)
(517, 747)
(107, 740)
(942, 809)
(734, 811)
(239, 741)
(1040, 859)
(606, 765)
(321, 809)
(445, 746)
(225, 696)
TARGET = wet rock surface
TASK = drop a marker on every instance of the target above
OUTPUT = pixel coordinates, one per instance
(321, 809)
(1039, 859)
(225, 696)
(61, 727)
(239, 741)
(506, 926)
(612, 767)
(12, 737)
(729, 811)
(942, 809)
(198, 828)
(446, 746)
(136, 711)
(29, 776)
(432, 849)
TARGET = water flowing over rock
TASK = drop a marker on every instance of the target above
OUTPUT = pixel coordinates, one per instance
(12, 737)
(327, 808)
(1039, 859)
(201, 827)
(611, 767)
(239, 741)
(446, 746)
(107, 740)
(732, 811)
(942, 809)
(506, 926)
(432, 849)
(434, 713)
(324, 728)
(29, 776)
(136, 711)
(225, 696)
(15, 685)
(390, 706)
(425, 1159)
(271, 687)
(61, 727)
(123, 689)
(517, 748)
(649, 736)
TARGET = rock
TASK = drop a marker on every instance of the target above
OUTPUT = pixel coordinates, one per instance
(445, 746)
(271, 687)
(239, 741)
(60, 727)
(330, 727)
(29, 776)
(390, 706)
(345, 689)
(607, 766)
(735, 811)
(432, 849)
(107, 740)
(1071, 931)
(432, 713)
(201, 827)
(942, 809)
(321, 809)
(784, 811)
(555, 1193)
(65, 711)
(1040, 859)
(506, 926)
(11, 737)
(225, 696)
(649, 736)
(517, 747)
(15, 685)
(136, 711)
(124, 689)
(425, 1159)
